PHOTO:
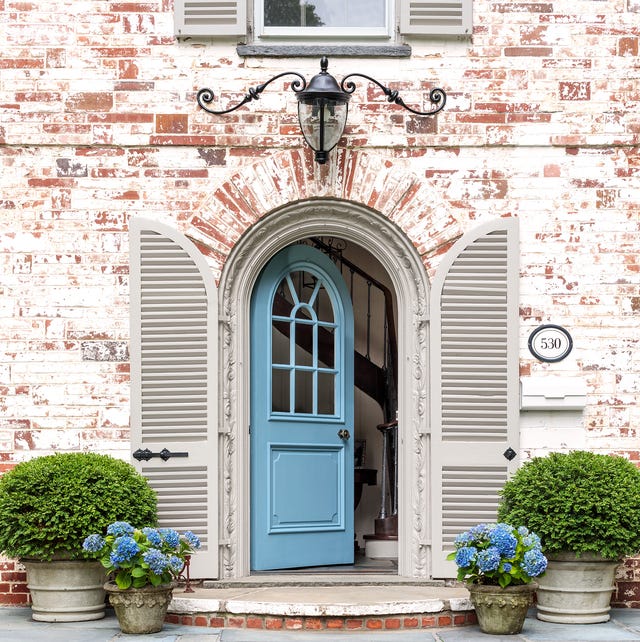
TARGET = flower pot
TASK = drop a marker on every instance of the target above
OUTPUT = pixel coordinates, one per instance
(140, 610)
(501, 611)
(576, 590)
(65, 590)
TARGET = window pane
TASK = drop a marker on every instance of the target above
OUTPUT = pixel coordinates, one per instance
(324, 13)
(304, 344)
(304, 392)
(280, 342)
(326, 393)
(326, 346)
(280, 391)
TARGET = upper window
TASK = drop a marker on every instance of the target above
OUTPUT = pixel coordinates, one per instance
(323, 18)
(308, 21)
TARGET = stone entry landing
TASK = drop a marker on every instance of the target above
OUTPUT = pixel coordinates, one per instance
(334, 605)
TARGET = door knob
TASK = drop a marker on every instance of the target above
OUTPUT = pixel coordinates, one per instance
(343, 433)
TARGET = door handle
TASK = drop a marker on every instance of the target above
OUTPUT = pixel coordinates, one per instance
(343, 433)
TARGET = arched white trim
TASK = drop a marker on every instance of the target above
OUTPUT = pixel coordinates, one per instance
(397, 255)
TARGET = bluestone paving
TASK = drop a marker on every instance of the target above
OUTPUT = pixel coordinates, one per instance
(16, 625)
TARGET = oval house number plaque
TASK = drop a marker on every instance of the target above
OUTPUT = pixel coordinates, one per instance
(550, 343)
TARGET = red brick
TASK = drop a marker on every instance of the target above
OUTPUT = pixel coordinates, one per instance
(444, 620)
(410, 623)
(273, 623)
(374, 623)
(335, 623)
(392, 623)
(528, 51)
(90, 101)
(187, 620)
(200, 620)
(216, 622)
(313, 623)
(293, 623)
(574, 90)
(15, 599)
(172, 123)
(236, 622)
(428, 621)
(354, 623)
(254, 622)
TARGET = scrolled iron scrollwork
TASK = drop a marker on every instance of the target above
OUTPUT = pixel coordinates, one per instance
(206, 96)
(437, 96)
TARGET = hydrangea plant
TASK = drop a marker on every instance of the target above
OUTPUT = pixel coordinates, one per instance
(140, 557)
(498, 554)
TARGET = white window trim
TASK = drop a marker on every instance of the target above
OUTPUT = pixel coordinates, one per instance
(304, 34)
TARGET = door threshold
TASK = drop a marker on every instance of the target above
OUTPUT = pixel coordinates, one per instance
(284, 579)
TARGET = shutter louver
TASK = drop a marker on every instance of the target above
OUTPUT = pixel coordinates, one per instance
(436, 17)
(210, 17)
(475, 378)
(173, 347)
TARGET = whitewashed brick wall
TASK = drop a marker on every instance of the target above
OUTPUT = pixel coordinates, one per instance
(98, 122)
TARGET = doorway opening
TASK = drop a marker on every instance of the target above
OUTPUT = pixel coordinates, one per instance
(324, 423)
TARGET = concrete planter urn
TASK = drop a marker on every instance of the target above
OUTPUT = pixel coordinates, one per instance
(140, 610)
(501, 611)
(576, 590)
(65, 590)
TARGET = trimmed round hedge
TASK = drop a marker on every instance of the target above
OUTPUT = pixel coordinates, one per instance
(579, 501)
(48, 505)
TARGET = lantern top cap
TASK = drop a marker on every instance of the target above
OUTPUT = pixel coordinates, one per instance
(323, 85)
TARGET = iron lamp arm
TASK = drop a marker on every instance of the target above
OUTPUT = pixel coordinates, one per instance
(206, 96)
(437, 96)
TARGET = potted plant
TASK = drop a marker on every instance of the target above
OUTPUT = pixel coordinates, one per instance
(499, 562)
(586, 509)
(142, 564)
(47, 505)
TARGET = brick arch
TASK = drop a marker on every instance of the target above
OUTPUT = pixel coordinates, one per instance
(291, 176)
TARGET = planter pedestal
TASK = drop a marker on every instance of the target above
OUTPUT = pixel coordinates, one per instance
(501, 611)
(66, 591)
(140, 610)
(576, 590)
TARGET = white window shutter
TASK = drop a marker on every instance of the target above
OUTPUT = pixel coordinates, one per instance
(210, 17)
(174, 381)
(475, 384)
(436, 17)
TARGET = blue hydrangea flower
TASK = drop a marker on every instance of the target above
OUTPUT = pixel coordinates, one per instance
(488, 560)
(93, 543)
(192, 539)
(465, 556)
(157, 561)
(523, 530)
(125, 548)
(531, 541)
(176, 564)
(506, 567)
(503, 540)
(170, 536)
(534, 563)
(120, 528)
(153, 536)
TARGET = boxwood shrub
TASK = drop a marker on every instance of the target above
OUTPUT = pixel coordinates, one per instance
(48, 505)
(581, 502)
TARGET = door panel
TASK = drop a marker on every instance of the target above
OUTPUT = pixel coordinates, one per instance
(301, 414)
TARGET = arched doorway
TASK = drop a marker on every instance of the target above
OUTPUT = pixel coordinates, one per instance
(380, 237)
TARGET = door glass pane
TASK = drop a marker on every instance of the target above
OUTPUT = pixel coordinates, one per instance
(326, 393)
(304, 348)
(304, 392)
(280, 390)
(280, 331)
(324, 13)
(323, 306)
(326, 346)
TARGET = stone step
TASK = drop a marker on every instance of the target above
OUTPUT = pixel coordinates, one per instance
(334, 605)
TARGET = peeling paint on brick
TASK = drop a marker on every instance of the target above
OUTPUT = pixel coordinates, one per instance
(105, 350)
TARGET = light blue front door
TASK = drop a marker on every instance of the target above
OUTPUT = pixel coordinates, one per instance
(301, 413)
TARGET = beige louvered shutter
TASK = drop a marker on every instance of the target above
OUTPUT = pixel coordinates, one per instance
(210, 17)
(173, 382)
(436, 17)
(475, 389)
